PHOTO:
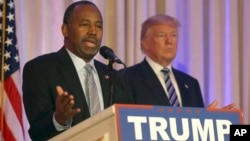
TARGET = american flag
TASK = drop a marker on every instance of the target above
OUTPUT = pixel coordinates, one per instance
(11, 107)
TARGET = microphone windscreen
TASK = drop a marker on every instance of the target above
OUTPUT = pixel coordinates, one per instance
(104, 50)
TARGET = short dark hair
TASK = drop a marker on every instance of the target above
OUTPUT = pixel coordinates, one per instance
(70, 9)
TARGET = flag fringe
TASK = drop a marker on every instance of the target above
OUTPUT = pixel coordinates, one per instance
(2, 97)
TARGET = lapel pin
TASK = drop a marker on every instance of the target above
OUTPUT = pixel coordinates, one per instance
(186, 86)
(106, 76)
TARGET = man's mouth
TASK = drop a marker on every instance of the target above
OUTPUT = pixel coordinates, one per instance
(90, 44)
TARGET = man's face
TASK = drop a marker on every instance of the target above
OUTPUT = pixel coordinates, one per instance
(83, 34)
(160, 43)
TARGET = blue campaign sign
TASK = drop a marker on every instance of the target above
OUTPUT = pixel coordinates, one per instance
(158, 123)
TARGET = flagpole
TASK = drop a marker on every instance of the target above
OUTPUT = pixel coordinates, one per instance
(2, 97)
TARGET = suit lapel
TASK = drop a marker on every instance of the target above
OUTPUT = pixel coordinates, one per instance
(71, 79)
(183, 87)
(153, 83)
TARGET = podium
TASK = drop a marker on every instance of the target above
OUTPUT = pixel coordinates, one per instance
(123, 122)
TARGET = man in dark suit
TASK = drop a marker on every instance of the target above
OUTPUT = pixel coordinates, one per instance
(54, 91)
(147, 88)
(146, 80)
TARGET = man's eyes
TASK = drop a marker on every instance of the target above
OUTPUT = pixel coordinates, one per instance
(174, 35)
(160, 35)
(99, 25)
(164, 34)
(88, 24)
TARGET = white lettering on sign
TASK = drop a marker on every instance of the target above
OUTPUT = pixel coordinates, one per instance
(203, 130)
(188, 128)
(222, 131)
(185, 129)
(137, 120)
(158, 125)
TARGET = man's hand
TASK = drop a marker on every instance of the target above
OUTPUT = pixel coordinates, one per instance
(64, 104)
(213, 105)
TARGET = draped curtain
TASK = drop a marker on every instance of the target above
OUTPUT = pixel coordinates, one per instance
(214, 44)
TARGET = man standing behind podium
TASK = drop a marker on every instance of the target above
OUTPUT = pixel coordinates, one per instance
(54, 92)
(159, 38)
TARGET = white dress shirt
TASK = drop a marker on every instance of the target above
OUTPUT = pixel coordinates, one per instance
(79, 64)
(157, 70)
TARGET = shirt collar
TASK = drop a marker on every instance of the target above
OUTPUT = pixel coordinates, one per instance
(78, 62)
(157, 67)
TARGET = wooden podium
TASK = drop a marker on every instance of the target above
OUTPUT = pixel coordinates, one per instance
(101, 127)
(122, 122)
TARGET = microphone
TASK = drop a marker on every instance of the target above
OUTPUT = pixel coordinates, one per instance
(108, 53)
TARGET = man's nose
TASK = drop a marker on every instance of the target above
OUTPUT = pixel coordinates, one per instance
(92, 30)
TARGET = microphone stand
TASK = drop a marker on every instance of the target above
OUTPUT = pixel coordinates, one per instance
(108, 71)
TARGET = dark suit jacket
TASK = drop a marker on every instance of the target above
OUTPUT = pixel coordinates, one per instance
(147, 89)
(40, 78)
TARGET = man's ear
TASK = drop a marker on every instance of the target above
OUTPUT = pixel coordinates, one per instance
(64, 29)
(144, 45)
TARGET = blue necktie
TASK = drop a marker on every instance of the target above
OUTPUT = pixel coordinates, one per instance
(173, 100)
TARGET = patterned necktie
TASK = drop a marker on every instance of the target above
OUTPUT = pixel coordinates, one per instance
(91, 91)
(170, 88)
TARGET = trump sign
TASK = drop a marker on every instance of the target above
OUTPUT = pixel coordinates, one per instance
(161, 123)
